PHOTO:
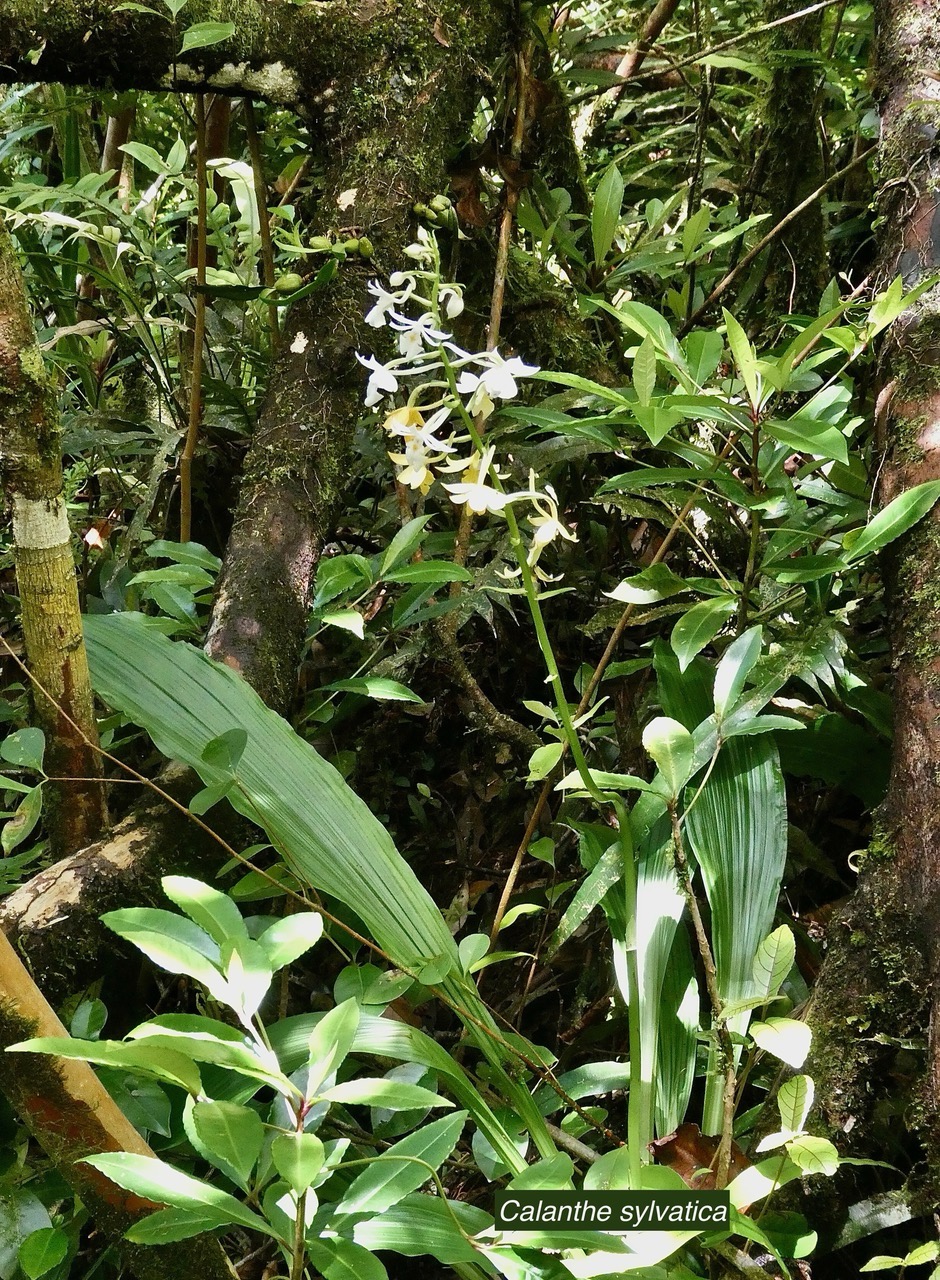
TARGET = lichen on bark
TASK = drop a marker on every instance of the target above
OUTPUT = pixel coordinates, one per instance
(31, 475)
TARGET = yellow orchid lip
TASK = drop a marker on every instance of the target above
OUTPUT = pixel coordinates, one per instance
(408, 416)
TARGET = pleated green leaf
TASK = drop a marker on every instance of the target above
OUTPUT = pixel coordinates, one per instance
(678, 1028)
(327, 834)
(738, 833)
(323, 830)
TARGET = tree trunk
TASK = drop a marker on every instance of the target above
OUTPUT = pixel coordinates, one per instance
(791, 165)
(31, 473)
(296, 467)
(880, 984)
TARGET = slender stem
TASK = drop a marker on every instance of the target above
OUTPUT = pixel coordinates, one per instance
(511, 201)
(596, 676)
(299, 1251)
(754, 543)
(762, 244)
(497, 300)
(261, 199)
(199, 330)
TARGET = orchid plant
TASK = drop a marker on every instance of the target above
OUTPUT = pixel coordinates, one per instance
(450, 394)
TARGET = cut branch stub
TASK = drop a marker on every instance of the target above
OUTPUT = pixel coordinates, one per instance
(31, 474)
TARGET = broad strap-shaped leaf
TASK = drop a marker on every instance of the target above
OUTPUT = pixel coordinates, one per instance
(605, 215)
(162, 1063)
(794, 1102)
(328, 836)
(211, 910)
(901, 514)
(774, 960)
(699, 626)
(786, 1038)
(326, 833)
(227, 1135)
(287, 939)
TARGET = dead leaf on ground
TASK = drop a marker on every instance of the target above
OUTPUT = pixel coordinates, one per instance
(688, 1151)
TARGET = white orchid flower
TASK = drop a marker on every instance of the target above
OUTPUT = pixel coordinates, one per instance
(423, 250)
(381, 382)
(476, 493)
(496, 382)
(451, 300)
(415, 464)
(413, 335)
(410, 425)
(546, 525)
(386, 300)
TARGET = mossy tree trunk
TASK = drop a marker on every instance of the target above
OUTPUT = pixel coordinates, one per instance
(31, 473)
(791, 166)
(387, 132)
(880, 985)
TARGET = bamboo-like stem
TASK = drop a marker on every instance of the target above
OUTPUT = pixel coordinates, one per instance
(199, 330)
(719, 1025)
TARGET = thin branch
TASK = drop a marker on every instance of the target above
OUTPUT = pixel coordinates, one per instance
(762, 244)
(199, 330)
(741, 38)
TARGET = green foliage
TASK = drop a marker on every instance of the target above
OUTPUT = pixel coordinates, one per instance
(697, 478)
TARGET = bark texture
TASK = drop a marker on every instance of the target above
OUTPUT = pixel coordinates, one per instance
(387, 135)
(881, 981)
(53, 919)
(280, 51)
(791, 165)
(31, 473)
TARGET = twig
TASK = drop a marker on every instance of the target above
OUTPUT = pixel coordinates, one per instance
(741, 38)
(199, 330)
(628, 69)
(771, 235)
